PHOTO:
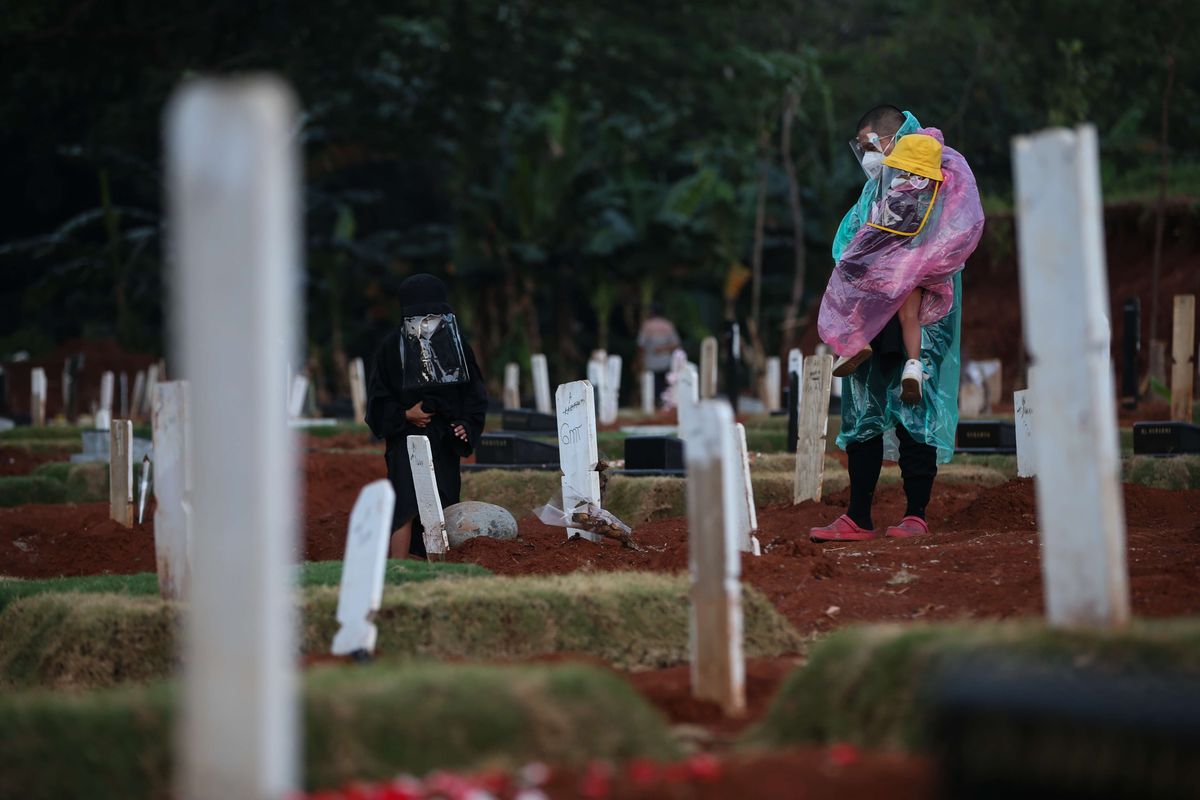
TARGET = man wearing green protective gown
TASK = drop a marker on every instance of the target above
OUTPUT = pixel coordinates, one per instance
(876, 423)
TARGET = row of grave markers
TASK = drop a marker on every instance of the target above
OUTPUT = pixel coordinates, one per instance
(232, 190)
(539, 369)
(136, 408)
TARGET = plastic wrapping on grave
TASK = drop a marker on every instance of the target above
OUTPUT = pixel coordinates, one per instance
(586, 516)
(877, 270)
(431, 350)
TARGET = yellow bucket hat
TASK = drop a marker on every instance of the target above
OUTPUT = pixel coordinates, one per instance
(919, 154)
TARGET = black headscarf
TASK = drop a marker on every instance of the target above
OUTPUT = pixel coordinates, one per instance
(424, 294)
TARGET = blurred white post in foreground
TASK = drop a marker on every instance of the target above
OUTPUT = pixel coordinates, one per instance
(1064, 302)
(233, 195)
(714, 484)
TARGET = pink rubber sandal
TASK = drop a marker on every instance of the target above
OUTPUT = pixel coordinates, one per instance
(842, 529)
(909, 526)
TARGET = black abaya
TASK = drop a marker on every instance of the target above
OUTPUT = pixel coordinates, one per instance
(387, 401)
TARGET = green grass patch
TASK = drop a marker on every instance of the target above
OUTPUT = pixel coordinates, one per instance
(61, 482)
(58, 434)
(327, 431)
(359, 722)
(631, 620)
(17, 490)
(1169, 472)
(311, 573)
(864, 684)
(48, 434)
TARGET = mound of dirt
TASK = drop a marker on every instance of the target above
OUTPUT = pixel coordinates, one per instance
(22, 460)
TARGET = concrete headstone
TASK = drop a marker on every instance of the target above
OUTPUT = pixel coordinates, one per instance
(429, 502)
(358, 389)
(512, 385)
(541, 383)
(364, 566)
(708, 367)
(172, 488)
(578, 451)
(120, 472)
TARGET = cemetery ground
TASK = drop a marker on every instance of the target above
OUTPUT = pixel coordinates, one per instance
(79, 611)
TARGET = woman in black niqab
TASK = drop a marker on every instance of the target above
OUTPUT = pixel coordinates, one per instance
(424, 381)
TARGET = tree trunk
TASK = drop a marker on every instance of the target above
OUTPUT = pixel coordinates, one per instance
(791, 323)
(1161, 210)
(760, 221)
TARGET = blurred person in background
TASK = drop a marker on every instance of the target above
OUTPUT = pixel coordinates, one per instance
(657, 340)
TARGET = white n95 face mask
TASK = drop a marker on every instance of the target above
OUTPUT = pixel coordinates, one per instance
(872, 163)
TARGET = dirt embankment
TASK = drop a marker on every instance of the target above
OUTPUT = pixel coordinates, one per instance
(981, 559)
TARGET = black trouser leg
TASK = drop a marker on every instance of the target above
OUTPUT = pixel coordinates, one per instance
(918, 467)
(866, 459)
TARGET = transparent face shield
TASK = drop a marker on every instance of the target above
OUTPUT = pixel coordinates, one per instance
(903, 202)
(432, 352)
(868, 151)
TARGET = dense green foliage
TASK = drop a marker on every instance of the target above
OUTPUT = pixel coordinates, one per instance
(562, 163)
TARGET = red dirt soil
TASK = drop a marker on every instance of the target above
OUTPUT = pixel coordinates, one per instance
(22, 460)
(981, 560)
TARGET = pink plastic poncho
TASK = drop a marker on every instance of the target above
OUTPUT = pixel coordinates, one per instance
(879, 270)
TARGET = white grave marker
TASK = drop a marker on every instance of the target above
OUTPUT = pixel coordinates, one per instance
(708, 368)
(1064, 294)
(429, 502)
(541, 383)
(106, 394)
(577, 449)
(649, 402)
(714, 482)
(123, 393)
(597, 368)
(1023, 416)
(234, 198)
(172, 488)
(364, 567)
(138, 403)
(774, 387)
(151, 382)
(687, 396)
(816, 382)
(795, 361)
(1183, 357)
(37, 397)
(298, 396)
(103, 420)
(748, 514)
(120, 472)
(512, 385)
(610, 398)
(358, 389)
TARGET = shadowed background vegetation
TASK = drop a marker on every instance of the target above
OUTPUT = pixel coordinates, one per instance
(560, 163)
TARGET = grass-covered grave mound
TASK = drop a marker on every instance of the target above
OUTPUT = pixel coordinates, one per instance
(359, 723)
(631, 620)
(867, 684)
